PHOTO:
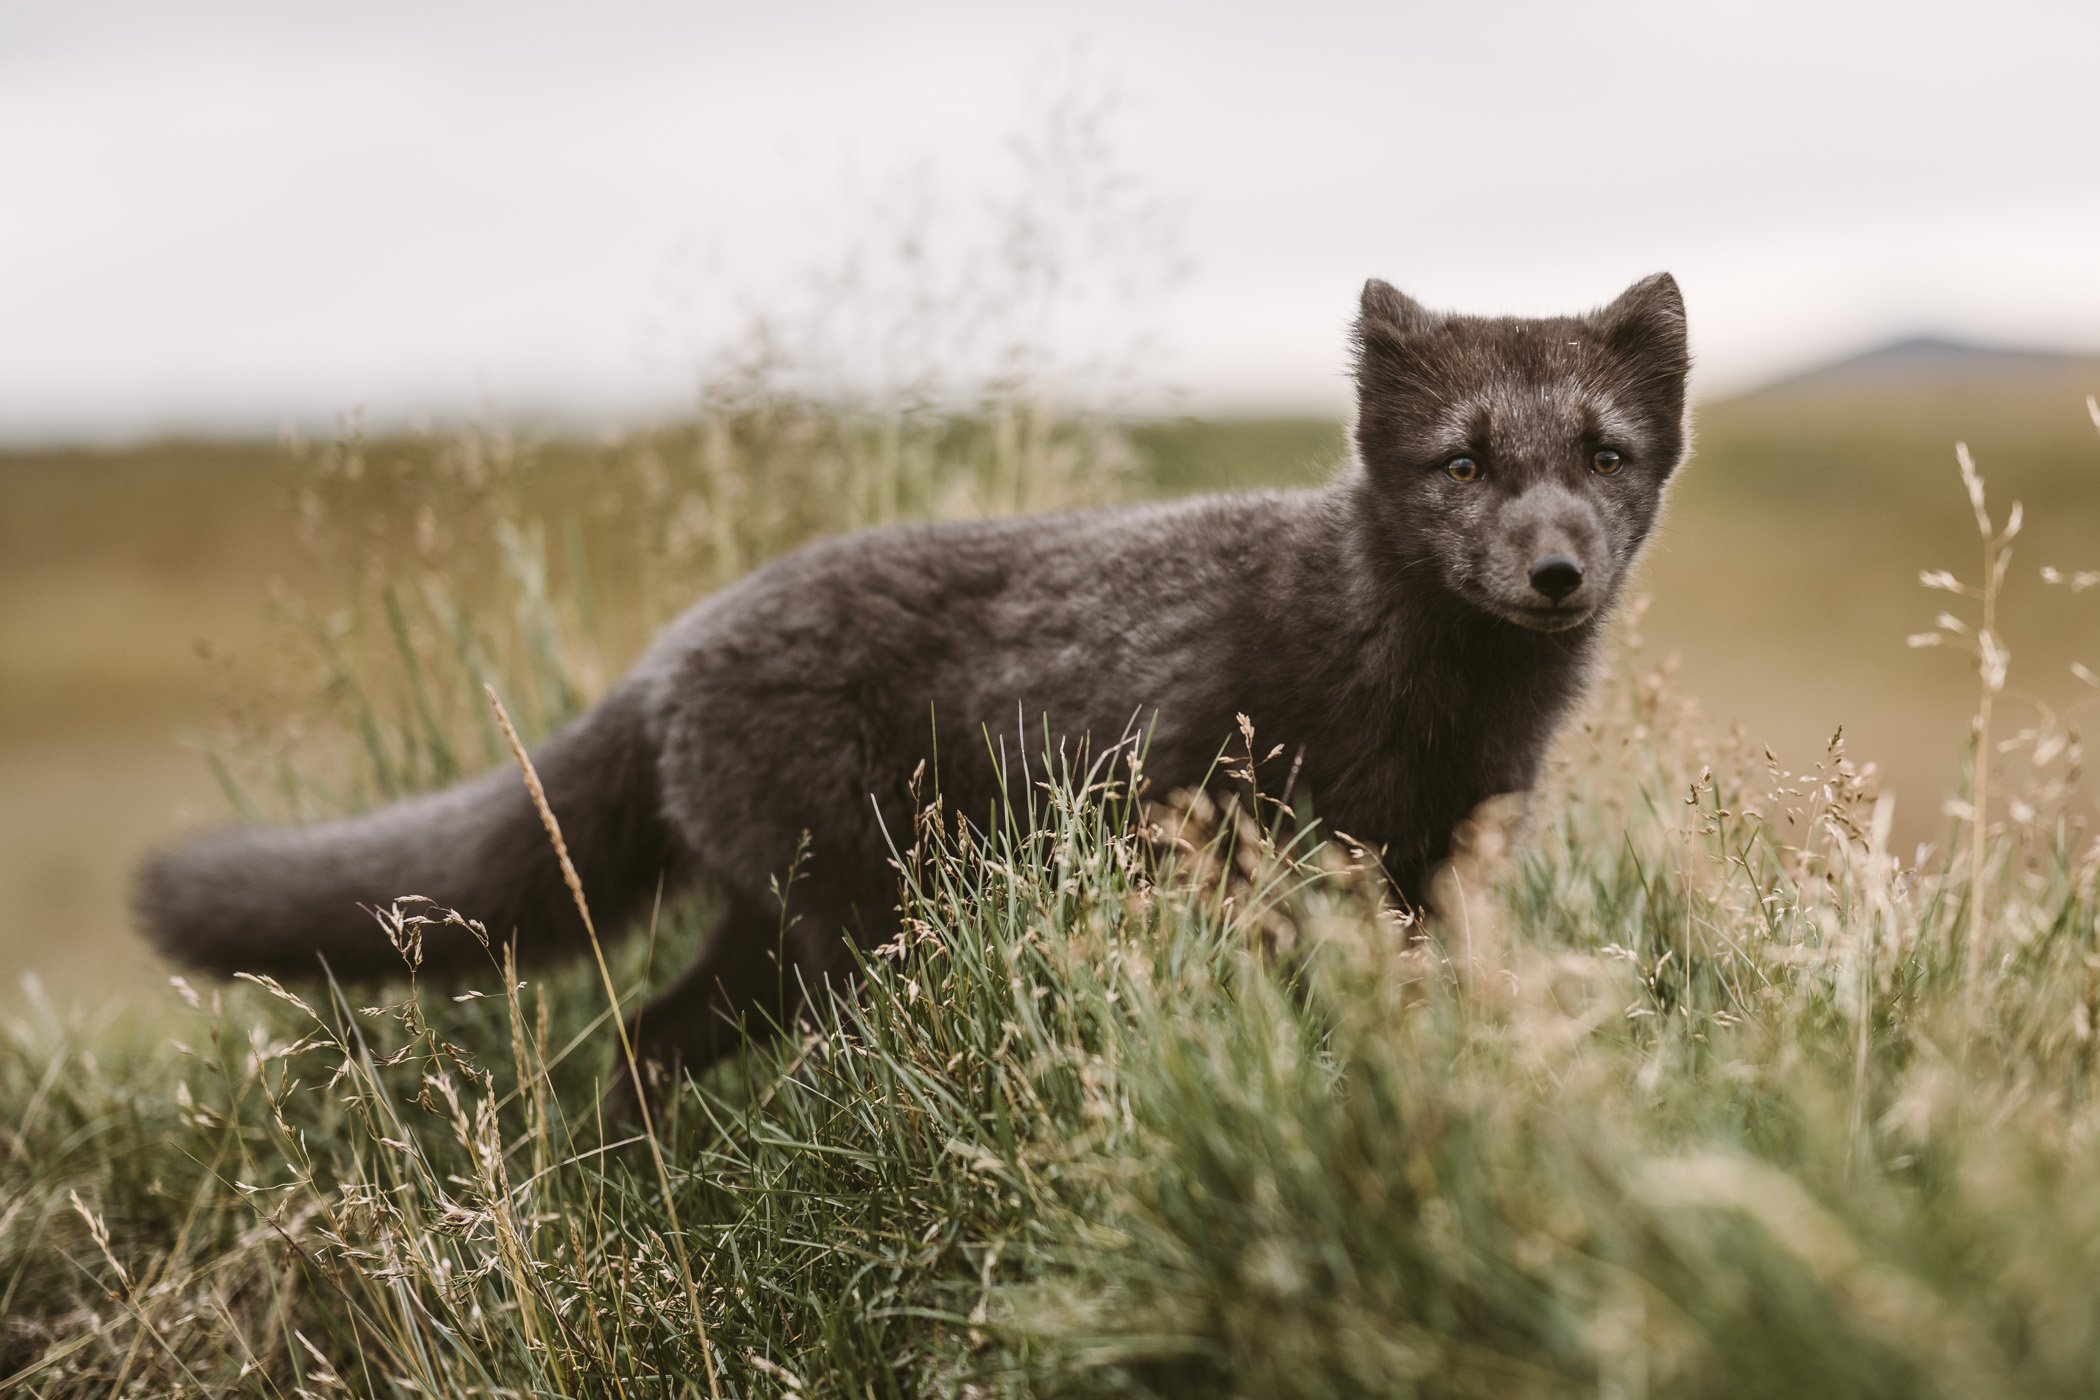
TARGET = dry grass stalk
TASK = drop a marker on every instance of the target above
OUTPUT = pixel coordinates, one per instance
(612, 996)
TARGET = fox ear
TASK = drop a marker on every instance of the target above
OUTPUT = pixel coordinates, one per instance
(1386, 307)
(1647, 323)
(1391, 360)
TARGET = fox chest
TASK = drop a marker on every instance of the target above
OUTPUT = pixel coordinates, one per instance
(1404, 791)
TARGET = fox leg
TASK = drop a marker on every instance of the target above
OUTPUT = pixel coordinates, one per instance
(741, 988)
(748, 985)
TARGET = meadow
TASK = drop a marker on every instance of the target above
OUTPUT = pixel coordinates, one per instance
(1760, 1063)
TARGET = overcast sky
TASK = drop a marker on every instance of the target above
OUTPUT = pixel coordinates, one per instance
(232, 215)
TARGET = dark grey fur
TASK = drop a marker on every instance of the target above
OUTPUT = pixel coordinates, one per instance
(1389, 629)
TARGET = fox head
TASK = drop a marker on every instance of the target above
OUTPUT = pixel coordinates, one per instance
(1519, 464)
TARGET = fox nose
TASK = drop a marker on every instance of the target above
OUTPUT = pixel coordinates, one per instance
(1556, 576)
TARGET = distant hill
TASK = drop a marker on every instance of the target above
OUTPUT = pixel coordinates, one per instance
(1928, 363)
(1886, 421)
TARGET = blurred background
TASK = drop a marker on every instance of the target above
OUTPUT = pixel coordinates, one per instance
(353, 355)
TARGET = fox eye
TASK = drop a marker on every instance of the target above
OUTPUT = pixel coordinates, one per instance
(1607, 463)
(1462, 469)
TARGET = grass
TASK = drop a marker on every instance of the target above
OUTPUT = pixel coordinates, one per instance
(1697, 1088)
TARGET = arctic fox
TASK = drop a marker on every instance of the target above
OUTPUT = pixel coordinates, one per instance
(1412, 632)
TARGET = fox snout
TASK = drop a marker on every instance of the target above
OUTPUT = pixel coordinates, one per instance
(1552, 554)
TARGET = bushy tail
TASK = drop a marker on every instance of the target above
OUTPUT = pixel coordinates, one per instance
(273, 900)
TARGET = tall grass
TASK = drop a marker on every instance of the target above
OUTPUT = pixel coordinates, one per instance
(1695, 1088)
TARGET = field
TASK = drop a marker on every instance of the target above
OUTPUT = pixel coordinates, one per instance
(1760, 1066)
